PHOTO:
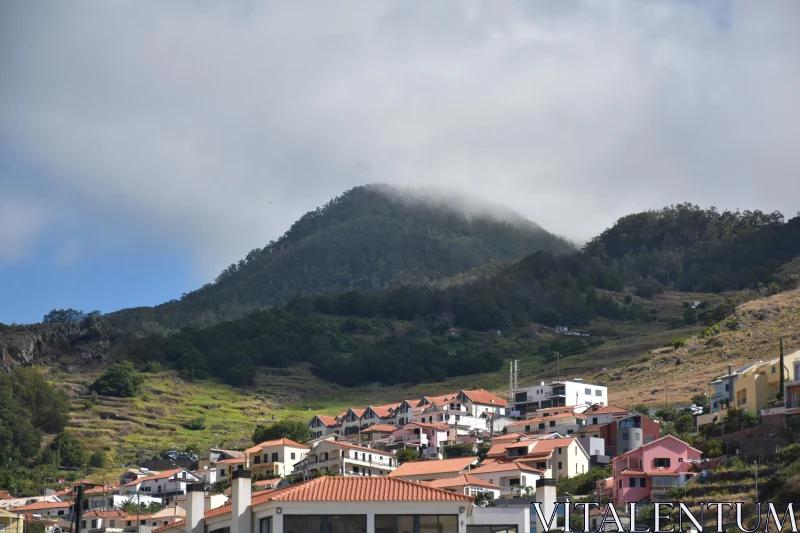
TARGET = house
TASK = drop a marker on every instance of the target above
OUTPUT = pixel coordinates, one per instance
(466, 484)
(629, 432)
(564, 423)
(405, 410)
(379, 414)
(11, 522)
(555, 457)
(167, 515)
(512, 477)
(226, 467)
(98, 520)
(432, 470)
(428, 439)
(210, 458)
(558, 394)
(212, 501)
(759, 385)
(321, 426)
(274, 458)
(349, 504)
(45, 509)
(603, 414)
(377, 432)
(791, 393)
(453, 332)
(596, 520)
(208, 475)
(166, 485)
(351, 421)
(344, 459)
(652, 470)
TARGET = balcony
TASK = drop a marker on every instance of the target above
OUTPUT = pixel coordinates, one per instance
(510, 492)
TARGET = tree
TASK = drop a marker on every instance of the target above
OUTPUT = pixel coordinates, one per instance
(63, 316)
(195, 424)
(48, 408)
(97, 459)
(69, 450)
(120, 380)
(296, 430)
(484, 499)
(700, 400)
(642, 409)
(406, 455)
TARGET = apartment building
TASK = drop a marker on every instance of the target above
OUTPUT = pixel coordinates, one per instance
(274, 458)
(557, 394)
(322, 426)
(759, 385)
(344, 459)
(167, 485)
(564, 423)
(628, 433)
(432, 470)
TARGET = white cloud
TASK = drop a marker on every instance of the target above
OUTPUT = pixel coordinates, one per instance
(191, 117)
(20, 226)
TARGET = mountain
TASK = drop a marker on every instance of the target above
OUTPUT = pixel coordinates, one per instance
(369, 238)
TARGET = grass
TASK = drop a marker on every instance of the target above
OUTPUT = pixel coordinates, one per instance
(636, 366)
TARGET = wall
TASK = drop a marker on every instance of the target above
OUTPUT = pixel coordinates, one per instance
(756, 441)
(496, 516)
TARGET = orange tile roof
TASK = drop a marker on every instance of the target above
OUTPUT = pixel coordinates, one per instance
(268, 482)
(41, 505)
(485, 397)
(161, 475)
(504, 467)
(224, 509)
(548, 445)
(500, 448)
(634, 472)
(435, 425)
(508, 437)
(384, 411)
(328, 420)
(556, 409)
(357, 447)
(358, 412)
(359, 489)
(275, 442)
(421, 468)
(462, 480)
(605, 410)
(228, 462)
(174, 525)
(383, 428)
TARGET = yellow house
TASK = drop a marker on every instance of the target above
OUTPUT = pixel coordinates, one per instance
(757, 386)
(11, 522)
(275, 457)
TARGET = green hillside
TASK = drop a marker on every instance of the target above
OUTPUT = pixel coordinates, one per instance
(369, 238)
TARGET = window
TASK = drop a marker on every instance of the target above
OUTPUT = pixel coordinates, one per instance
(265, 525)
(620, 483)
(183, 475)
(661, 462)
(112, 523)
(83, 524)
(166, 522)
(636, 436)
(773, 369)
(559, 465)
(559, 451)
(417, 524)
(527, 428)
(594, 420)
(552, 423)
(541, 426)
(541, 466)
(291, 455)
(275, 457)
(598, 392)
(643, 482)
(625, 436)
(257, 460)
(588, 391)
(648, 438)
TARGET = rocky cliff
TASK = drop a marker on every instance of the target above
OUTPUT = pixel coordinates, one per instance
(69, 344)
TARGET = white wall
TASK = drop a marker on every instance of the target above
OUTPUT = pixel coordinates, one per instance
(489, 516)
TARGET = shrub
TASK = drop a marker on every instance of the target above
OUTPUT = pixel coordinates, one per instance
(98, 459)
(296, 430)
(406, 455)
(153, 367)
(120, 380)
(196, 424)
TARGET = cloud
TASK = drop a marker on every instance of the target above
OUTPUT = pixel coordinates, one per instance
(217, 124)
(20, 226)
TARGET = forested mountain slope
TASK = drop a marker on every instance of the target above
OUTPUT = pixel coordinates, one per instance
(370, 238)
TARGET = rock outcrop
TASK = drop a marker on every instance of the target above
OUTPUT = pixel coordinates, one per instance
(70, 344)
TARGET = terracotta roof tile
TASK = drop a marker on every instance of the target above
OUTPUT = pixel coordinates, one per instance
(230, 461)
(115, 513)
(485, 397)
(420, 468)
(41, 505)
(175, 525)
(160, 475)
(462, 480)
(329, 421)
(383, 428)
(275, 442)
(221, 510)
(359, 489)
(503, 467)
(268, 482)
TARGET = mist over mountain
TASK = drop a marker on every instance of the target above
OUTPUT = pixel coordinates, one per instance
(371, 237)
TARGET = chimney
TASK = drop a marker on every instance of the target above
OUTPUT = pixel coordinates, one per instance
(546, 496)
(241, 490)
(195, 508)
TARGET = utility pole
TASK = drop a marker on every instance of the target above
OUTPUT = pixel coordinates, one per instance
(783, 379)
(755, 463)
(558, 365)
(138, 511)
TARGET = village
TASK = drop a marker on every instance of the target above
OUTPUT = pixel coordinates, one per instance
(468, 461)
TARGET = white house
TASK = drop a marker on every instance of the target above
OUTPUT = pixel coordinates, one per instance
(274, 457)
(166, 485)
(428, 439)
(322, 426)
(348, 504)
(558, 394)
(467, 484)
(553, 457)
(512, 477)
(344, 459)
(208, 475)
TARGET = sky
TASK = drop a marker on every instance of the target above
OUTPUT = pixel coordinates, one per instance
(145, 145)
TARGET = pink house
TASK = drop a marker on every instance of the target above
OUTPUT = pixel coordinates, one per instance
(429, 439)
(648, 473)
